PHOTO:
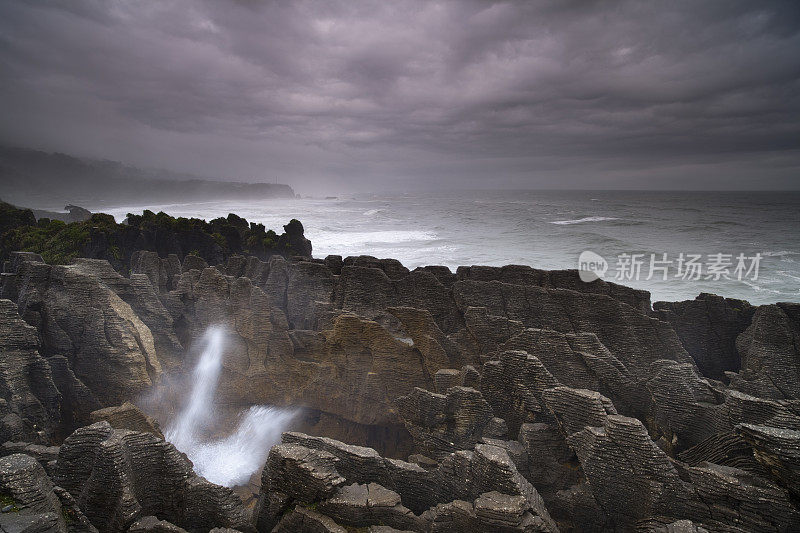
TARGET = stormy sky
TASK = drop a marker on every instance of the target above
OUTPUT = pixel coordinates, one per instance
(395, 95)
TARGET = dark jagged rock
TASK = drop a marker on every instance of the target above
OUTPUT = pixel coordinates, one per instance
(778, 451)
(708, 327)
(770, 352)
(726, 449)
(635, 339)
(729, 495)
(140, 294)
(308, 284)
(150, 264)
(293, 240)
(438, 350)
(369, 504)
(580, 360)
(552, 465)
(193, 262)
(119, 476)
(369, 291)
(633, 480)
(303, 474)
(151, 524)
(46, 455)
(77, 401)
(29, 400)
(399, 494)
(688, 408)
(487, 331)
(26, 487)
(513, 385)
(31, 503)
(391, 267)
(76, 213)
(307, 521)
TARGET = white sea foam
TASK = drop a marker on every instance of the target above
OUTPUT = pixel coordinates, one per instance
(788, 275)
(759, 288)
(783, 253)
(361, 241)
(231, 460)
(582, 220)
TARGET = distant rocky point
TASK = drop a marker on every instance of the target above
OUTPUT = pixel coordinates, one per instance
(80, 233)
(38, 178)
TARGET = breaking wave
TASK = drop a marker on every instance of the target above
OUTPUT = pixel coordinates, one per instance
(582, 220)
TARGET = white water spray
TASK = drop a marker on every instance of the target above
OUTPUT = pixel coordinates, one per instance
(229, 461)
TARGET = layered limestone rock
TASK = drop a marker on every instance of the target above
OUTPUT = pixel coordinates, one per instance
(708, 327)
(119, 476)
(769, 352)
(556, 279)
(79, 316)
(634, 338)
(634, 480)
(688, 408)
(778, 452)
(353, 487)
(127, 416)
(333, 336)
(31, 503)
(532, 401)
(30, 404)
(443, 423)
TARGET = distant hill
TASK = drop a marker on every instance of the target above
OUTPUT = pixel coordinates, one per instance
(41, 179)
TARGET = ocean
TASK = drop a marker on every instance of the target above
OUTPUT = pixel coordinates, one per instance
(736, 244)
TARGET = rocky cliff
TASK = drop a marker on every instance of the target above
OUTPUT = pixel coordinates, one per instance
(99, 236)
(486, 399)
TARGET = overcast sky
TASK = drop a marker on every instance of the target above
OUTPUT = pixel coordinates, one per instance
(396, 95)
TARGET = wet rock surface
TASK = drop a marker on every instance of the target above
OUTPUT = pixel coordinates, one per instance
(489, 399)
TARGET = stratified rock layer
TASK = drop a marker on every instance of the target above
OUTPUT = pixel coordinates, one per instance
(523, 400)
(119, 476)
(478, 490)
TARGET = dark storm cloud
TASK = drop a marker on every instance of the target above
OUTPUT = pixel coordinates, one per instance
(394, 94)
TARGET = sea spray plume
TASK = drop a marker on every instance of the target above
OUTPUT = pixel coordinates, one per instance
(196, 413)
(229, 461)
(232, 460)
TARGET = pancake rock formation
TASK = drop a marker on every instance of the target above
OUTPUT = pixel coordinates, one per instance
(486, 399)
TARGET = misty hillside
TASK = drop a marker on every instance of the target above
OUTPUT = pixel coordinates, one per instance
(51, 180)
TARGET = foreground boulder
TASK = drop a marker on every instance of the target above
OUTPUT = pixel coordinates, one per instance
(354, 487)
(119, 476)
(31, 503)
